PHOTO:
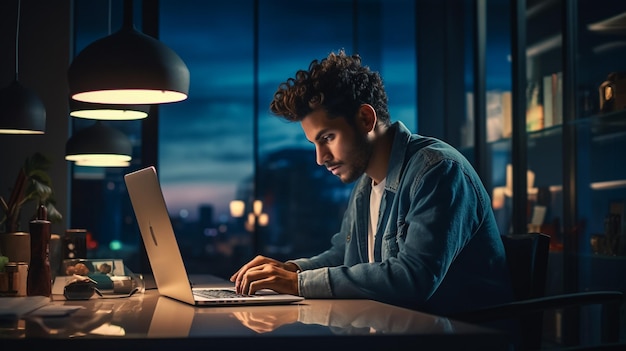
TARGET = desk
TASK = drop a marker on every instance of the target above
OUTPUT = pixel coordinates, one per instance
(152, 322)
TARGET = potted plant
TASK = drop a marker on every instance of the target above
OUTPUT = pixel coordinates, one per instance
(32, 183)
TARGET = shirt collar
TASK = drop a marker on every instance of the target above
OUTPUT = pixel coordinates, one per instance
(401, 139)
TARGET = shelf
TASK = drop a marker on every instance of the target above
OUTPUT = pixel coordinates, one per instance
(614, 118)
(607, 125)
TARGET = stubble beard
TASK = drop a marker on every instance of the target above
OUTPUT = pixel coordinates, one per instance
(357, 164)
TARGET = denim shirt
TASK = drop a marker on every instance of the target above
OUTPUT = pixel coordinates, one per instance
(437, 247)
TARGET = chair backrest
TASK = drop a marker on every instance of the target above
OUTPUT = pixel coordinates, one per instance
(527, 258)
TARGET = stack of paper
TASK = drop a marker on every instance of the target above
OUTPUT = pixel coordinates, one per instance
(12, 308)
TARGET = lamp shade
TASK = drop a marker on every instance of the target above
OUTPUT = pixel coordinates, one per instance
(99, 145)
(128, 67)
(111, 112)
(21, 111)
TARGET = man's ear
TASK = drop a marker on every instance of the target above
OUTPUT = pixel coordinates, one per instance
(366, 118)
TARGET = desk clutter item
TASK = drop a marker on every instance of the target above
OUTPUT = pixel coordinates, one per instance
(75, 244)
(12, 308)
(80, 288)
(13, 279)
(15, 246)
(104, 277)
(39, 281)
(9, 279)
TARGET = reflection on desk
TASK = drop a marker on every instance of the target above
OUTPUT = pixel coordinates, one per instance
(340, 317)
(95, 318)
(150, 321)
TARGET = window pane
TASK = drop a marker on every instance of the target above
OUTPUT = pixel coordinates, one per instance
(221, 142)
(99, 201)
(205, 142)
(215, 147)
(304, 201)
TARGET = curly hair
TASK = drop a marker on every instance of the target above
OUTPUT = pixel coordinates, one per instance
(338, 83)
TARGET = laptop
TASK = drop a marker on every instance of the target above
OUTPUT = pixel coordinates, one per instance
(164, 254)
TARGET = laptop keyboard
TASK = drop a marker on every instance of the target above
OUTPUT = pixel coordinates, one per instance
(219, 293)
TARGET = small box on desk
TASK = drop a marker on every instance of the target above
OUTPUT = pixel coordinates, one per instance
(111, 275)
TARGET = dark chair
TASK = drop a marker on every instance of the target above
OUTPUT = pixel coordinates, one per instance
(527, 258)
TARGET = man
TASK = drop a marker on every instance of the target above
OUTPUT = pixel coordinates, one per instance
(419, 231)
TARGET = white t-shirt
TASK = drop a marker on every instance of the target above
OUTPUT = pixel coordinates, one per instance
(375, 197)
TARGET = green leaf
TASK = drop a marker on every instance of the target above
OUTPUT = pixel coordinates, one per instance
(53, 214)
(38, 188)
(37, 161)
(41, 176)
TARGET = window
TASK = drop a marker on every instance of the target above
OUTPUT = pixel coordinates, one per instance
(222, 144)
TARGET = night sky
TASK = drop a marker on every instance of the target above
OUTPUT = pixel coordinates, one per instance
(206, 143)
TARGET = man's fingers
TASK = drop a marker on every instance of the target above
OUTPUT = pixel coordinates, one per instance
(267, 276)
(259, 284)
(238, 276)
(234, 276)
(257, 269)
(255, 277)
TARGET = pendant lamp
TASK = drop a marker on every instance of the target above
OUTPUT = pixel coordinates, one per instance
(99, 146)
(111, 112)
(128, 67)
(21, 110)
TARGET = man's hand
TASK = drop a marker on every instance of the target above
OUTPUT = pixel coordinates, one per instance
(265, 322)
(266, 273)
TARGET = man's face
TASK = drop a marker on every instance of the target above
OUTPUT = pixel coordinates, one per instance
(339, 146)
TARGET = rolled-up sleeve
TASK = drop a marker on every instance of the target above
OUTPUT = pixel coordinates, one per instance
(315, 283)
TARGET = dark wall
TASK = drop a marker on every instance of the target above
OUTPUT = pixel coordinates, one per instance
(440, 45)
(44, 54)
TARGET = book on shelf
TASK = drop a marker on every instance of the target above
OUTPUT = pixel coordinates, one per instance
(548, 101)
(499, 115)
(494, 115)
(552, 99)
(534, 111)
(507, 114)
